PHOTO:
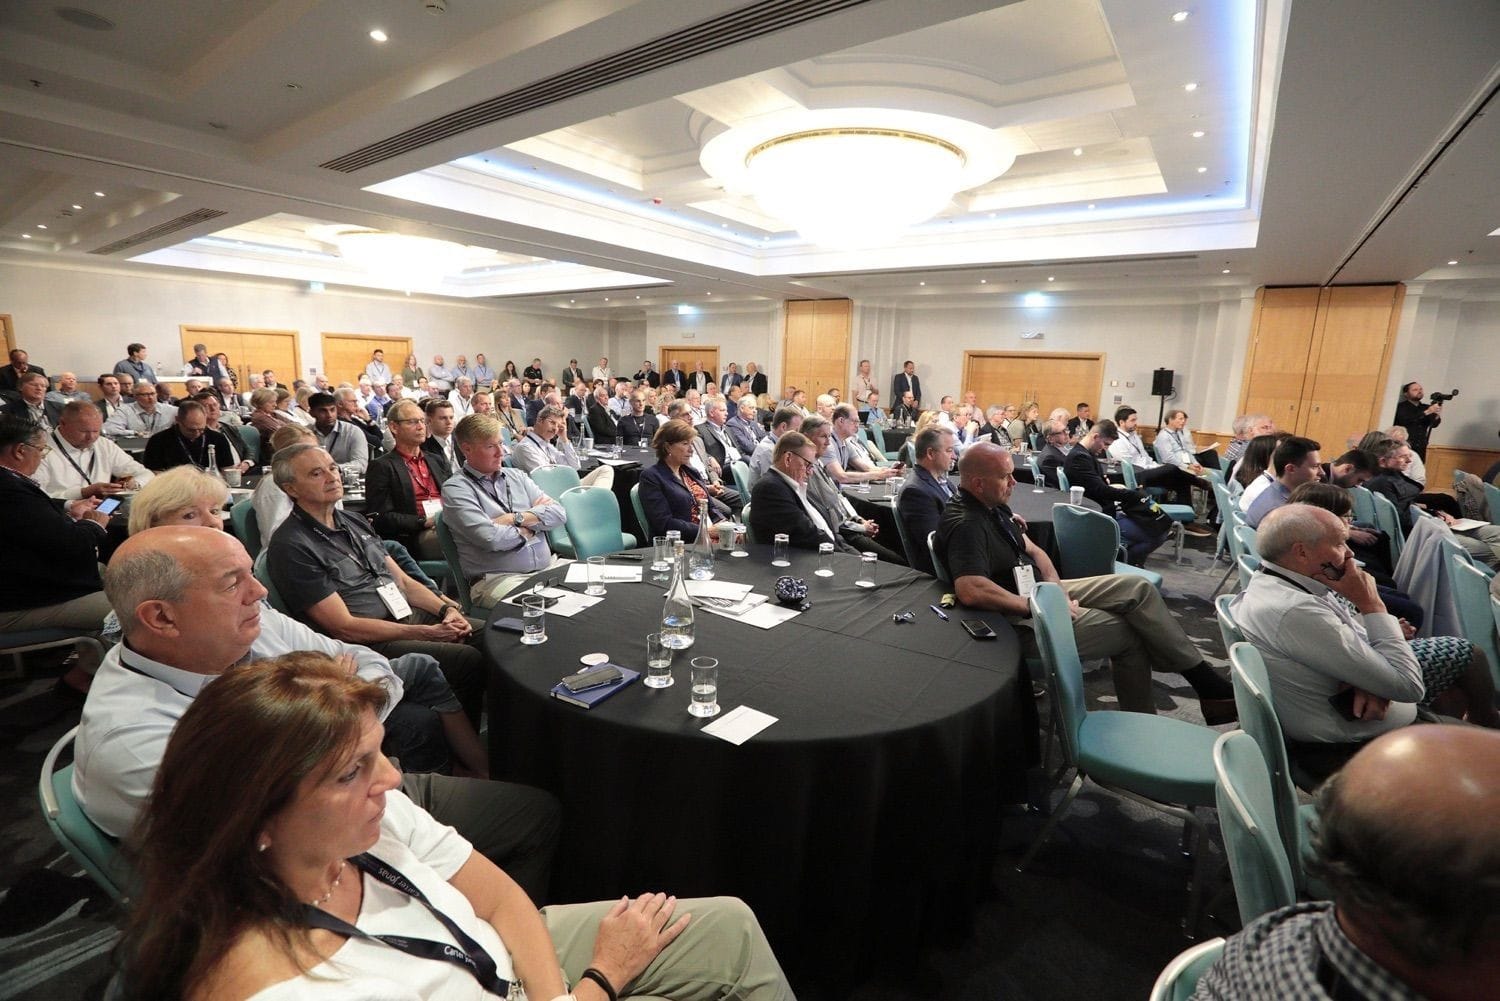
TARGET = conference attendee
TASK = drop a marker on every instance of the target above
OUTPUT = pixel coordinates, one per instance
(507, 413)
(994, 429)
(863, 385)
(498, 517)
(1296, 461)
(20, 364)
(1419, 419)
(352, 411)
(1255, 461)
(1057, 444)
(198, 364)
(340, 439)
(265, 416)
(216, 423)
(1030, 417)
(1403, 842)
(134, 365)
(1119, 616)
(30, 401)
(229, 400)
(403, 488)
(907, 381)
(846, 459)
(755, 380)
(51, 578)
(601, 372)
(187, 442)
(570, 375)
(381, 400)
(1083, 419)
(1393, 457)
(744, 427)
(484, 404)
(517, 394)
(1318, 647)
(779, 503)
(439, 376)
(647, 376)
(603, 424)
(1352, 469)
(694, 401)
(873, 415)
(110, 398)
(717, 441)
(376, 368)
(411, 370)
(84, 464)
(1178, 482)
(619, 401)
(699, 378)
(546, 444)
(907, 410)
(143, 415)
(257, 381)
(1417, 470)
(1369, 545)
(1174, 445)
(823, 405)
(577, 403)
(1140, 533)
(853, 533)
(638, 427)
(706, 465)
(67, 391)
(783, 420)
(673, 490)
(730, 378)
(440, 422)
(534, 370)
(484, 375)
(462, 398)
(926, 493)
(461, 369)
(183, 495)
(1246, 427)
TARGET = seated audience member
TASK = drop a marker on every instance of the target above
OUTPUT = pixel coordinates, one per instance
(257, 381)
(312, 860)
(638, 426)
(266, 417)
(351, 411)
(927, 492)
(439, 438)
(994, 429)
(783, 420)
(1085, 470)
(823, 406)
(779, 500)
(1350, 470)
(30, 402)
(874, 416)
(134, 365)
(546, 444)
(1255, 461)
(462, 399)
(706, 465)
(498, 517)
(693, 400)
(270, 502)
(1058, 443)
(110, 399)
(82, 463)
(845, 458)
(1370, 547)
(1149, 473)
(1174, 446)
(1244, 428)
(229, 400)
(1404, 842)
(334, 574)
(381, 400)
(183, 495)
(1082, 420)
(673, 490)
(602, 421)
(213, 411)
(755, 380)
(1418, 469)
(10, 375)
(1296, 461)
(508, 414)
(403, 489)
(187, 442)
(67, 391)
(485, 404)
(619, 403)
(340, 439)
(1119, 616)
(744, 427)
(906, 409)
(1029, 421)
(1393, 457)
(296, 404)
(52, 552)
(1317, 647)
(854, 534)
(714, 433)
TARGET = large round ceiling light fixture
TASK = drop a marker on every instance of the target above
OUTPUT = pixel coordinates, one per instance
(407, 262)
(852, 179)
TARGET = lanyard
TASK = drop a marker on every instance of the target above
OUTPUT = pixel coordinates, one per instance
(357, 551)
(201, 459)
(489, 488)
(467, 955)
(88, 477)
(161, 681)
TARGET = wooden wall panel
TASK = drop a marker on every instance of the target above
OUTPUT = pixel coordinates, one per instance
(815, 350)
(346, 355)
(1280, 346)
(1049, 379)
(1442, 460)
(1351, 351)
(688, 355)
(249, 350)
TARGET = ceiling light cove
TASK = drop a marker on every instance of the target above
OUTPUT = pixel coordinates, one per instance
(854, 178)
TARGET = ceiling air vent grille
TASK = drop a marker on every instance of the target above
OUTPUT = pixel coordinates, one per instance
(171, 226)
(745, 24)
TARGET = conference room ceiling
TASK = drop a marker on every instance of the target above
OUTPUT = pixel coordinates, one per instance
(560, 143)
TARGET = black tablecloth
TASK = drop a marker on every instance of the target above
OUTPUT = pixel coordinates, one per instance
(861, 821)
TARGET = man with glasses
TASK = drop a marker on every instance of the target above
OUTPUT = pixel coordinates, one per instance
(403, 488)
(1058, 444)
(144, 416)
(546, 444)
(32, 403)
(187, 442)
(82, 463)
(846, 459)
(779, 501)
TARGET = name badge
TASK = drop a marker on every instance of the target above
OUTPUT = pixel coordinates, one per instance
(395, 601)
(1025, 581)
(431, 508)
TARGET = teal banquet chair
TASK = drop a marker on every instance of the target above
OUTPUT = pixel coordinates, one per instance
(97, 852)
(594, 522)
(1088, 543)
(1257, 862)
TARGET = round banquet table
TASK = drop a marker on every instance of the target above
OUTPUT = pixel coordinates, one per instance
(859, 825)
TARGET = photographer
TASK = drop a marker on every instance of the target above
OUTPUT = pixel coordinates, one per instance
(1419, 420)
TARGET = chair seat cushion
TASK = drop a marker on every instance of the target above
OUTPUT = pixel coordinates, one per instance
(1151, 575)
(1167, 759)
(1179, 512)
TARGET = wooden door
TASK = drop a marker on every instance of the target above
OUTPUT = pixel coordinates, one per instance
(815, 351)
(1281, 339)
(688, 356)
(346, 355)
(1049, 380)
(1350, 354)
(249, 350)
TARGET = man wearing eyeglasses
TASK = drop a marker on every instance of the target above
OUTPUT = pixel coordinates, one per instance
(144, 416)
(51, 579)
(779, 501)
(403, 488)
(1055, 453)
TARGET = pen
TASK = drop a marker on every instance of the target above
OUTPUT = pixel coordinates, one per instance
(940, 613)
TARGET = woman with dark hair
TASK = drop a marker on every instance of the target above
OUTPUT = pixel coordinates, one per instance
(1371, 547)
(508, 371)
(672, 491)
(301, 872)
(1257, 458)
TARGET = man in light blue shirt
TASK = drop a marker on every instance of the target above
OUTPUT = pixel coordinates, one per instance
(1295, 462)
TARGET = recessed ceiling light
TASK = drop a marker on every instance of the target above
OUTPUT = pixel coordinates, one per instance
(1451, 263)
(1180, 16)
(921, 283)
(984, 281)
(1224, 271)
(572, 300)
(637, 297)
(379, 35)
(1052, 278)
(1091, 206)
(25, 236)
(1190, 87)
(98, 194)
(1198, 134)
(1202, 170)
(77, 208)
(1078, 151)
(41, 225)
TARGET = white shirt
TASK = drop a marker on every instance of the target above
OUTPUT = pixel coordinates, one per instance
(532, 450)
(131, 419)
(66, 470)
(601, 373)
(812, 512)
(461, 407)
(379, 372)
(1129, 448)
(131, 711)
(1255, 489)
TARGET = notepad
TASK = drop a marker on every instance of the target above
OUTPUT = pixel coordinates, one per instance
(739, 724)
(591, 697)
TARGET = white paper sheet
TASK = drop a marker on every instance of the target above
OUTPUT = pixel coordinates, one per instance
(739, 724)
(765, 615)
(569, 603)
(614, 573)
(718, 589)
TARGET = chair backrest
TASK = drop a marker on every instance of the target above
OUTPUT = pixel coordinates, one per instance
(907, 548)
(506, 434)
(1364, 504)
(1127, 473)
(1492, 498)
(1389, 521)
(97, 852)
(246, 526)
(1246, 536)
(262, 571)
(1179, 978)
(1221, 496)
(251, 437)
(1062, 480)
(1087, 541)
(640, 513)
(750, 538)
(1034, 463)
(1247, 818)
(939, 568)
(741, 471)
(908, 453)
(555, 480)
(1245, 567)
(1257, 712)
(877, 435)
(1052, 621)
(593, 521)
(455, 568)
(1229, 630)
(1471, 593)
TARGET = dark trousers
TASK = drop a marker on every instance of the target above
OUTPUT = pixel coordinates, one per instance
(1174, 479)
(461, 663)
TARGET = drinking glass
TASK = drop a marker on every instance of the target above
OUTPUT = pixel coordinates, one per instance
(825, 560)
(533, 620)
(1075, 495)
(739, 540)
(866, 576)
(661, 559)
(596, 577)
(778, 551)
(658, 662)
(704, 676)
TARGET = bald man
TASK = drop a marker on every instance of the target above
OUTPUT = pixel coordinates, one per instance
(1406, 845)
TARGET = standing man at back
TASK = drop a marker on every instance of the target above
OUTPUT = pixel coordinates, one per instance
(906, 381)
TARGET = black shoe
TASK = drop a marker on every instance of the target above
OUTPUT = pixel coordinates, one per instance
(1217, 712)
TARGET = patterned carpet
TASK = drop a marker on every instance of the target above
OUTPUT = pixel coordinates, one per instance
(1097, 914)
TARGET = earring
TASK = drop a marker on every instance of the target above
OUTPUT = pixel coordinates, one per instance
(263, 846)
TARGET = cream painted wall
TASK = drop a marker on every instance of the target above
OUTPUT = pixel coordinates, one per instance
(741, 333)
(81, 318)
(1473, 419)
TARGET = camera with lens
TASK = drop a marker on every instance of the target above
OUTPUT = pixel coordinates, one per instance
(1443, 397)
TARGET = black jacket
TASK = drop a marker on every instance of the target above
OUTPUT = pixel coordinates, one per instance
(390, 500)
(49, 557)
(774, 508)
(166, 450)
(602, 424)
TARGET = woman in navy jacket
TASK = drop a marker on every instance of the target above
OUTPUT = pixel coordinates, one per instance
(672, 490)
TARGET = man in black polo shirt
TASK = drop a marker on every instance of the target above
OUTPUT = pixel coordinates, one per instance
(332, 572)
(1118, 616)
(187, 441)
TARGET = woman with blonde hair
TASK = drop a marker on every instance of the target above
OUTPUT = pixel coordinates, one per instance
(266, 415)
(183, 495)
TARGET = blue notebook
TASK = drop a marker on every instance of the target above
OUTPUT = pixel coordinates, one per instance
(590, 697)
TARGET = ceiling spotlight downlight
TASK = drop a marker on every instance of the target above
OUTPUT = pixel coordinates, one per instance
(377, 35)
(1452, 263)
(1180, 16)
(854, 178)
